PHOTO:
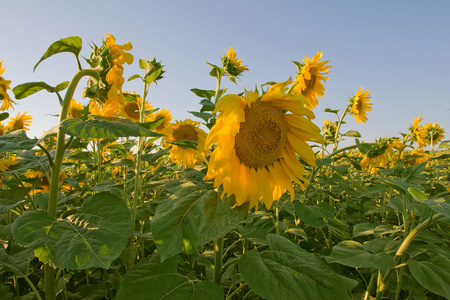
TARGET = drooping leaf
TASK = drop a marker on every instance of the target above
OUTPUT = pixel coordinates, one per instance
(439, 206)
(434, 275)
(26, 89)
(329, 110)
(93, 237)
(104, 127)
(4, 116)
(69, 44)
(192, 217)
(286, 271)
(202, 115)
(311, 215)
(12, 198)
(15, 141)
(17, 263)
(352, 254)
(417, 194)
(208, 94)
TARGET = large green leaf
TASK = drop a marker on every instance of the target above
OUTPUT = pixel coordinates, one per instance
(352, 254)
(286, 271)
(12, 198)
(17, 262)
(439, 205)
(69, 44)
(15, 141)
(311, 215)
(192, 217)
(104, 127)
(434, 275)
(153, 279)
(93, 237)
(29, 88)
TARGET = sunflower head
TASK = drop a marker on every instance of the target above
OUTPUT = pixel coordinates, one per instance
(232, 65)
(417, 133)
(258, 138)
(186, 130)
(164, 127)
(433, 133)
(131, 107)
(108, 60)
(310, 79)
(360, 105)
(329, 130)
(378, 156)
(74, 109)
(4, 86)
(20, 122)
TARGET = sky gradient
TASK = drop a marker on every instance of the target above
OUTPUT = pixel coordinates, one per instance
(398, 50)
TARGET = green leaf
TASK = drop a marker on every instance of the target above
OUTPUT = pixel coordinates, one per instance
(208, 94)
(26, 89)
(15, 141)
(62, 86)
(4, 116)
(93, 237)
(434, 275)
(352, 133)
(104, 127)
(364, 147)
(311, 215)
(134, 77)
(17, 263)
(69, 44)
(399, 184)
(12, 198)
(152, 278)
(153, 76)
(286, 271)
(201, 115)
(186, 144)
(352, 254)
(192, 217)
(153, 157)
(417, 194)
(439, 206)
(329, 110)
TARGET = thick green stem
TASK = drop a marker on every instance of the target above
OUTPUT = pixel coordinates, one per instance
(383, 282)
(218, 260)
(50, 286)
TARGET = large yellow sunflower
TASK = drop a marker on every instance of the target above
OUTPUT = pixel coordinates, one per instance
(4, 85)
(186, 130)
(309, 82)
(20, 122)
(164, 127)
(6, 163)
(360, 105)
(379, 157)
(257, 140)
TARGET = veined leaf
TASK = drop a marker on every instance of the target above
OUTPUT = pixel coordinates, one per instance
(69, 44)
(208, 94)
(15, 141)
(29, 88)
(434, 275)
(287, 271)
(104, 127)
(93, 237)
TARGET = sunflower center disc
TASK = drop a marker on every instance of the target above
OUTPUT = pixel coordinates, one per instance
(132, 110)
(185, 133)
(262, 136)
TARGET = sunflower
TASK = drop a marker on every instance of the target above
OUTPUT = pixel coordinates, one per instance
(6, 163)
(309, 81)
(4, 85)
(417, 132)
(255, 157)
(379, 156)
(360, 105)
(433, 133)
(74, 109)
(329, 130)
(131, 109)
(164, 127)
(186, 130)
(20, 122)
(231, 64)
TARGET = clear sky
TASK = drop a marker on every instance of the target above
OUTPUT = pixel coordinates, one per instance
(398, 50)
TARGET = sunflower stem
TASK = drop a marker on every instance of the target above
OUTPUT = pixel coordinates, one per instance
(218, 260)
(338, 127)
(50, 287)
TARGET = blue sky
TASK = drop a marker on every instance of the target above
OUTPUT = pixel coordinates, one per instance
(398, 50)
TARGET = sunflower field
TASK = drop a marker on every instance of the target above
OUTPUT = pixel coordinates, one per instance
(252, 198)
